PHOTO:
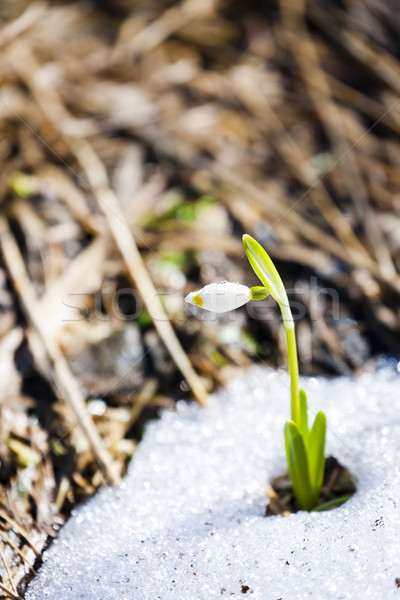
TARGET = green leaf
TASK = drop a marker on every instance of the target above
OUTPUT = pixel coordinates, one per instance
(24, 454)
(263, 267)
(174, 259)
(21, 184)
(316, 452)
(303, 416)
(266, 271)
(334, 503)
(298, 466)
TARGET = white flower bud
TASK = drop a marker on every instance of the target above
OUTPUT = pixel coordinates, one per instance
(220, 297)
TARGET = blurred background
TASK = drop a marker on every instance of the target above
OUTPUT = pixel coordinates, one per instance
(138, 141)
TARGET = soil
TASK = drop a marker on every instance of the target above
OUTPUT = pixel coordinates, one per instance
(338, 487)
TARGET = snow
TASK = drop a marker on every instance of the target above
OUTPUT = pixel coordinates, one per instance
(188, 521)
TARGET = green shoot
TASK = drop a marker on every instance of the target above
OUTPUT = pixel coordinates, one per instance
(305, 448)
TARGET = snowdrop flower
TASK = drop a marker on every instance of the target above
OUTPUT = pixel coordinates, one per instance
(223, 296)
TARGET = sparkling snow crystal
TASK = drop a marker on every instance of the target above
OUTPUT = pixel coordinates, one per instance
(188, 521)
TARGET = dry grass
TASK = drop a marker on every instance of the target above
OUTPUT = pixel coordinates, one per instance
(138, 141)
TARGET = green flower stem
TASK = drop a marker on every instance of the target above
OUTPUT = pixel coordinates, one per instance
(294, 374)
(305, 448)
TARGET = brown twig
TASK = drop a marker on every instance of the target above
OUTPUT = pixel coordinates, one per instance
(28, 18)
(9, 592)
(7, 568)
(96, 174)
(306, 55)
(20, 530)
(14, 546)
(64, 381)
(366, 52)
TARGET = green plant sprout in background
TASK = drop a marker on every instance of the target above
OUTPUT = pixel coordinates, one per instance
(305, 448)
